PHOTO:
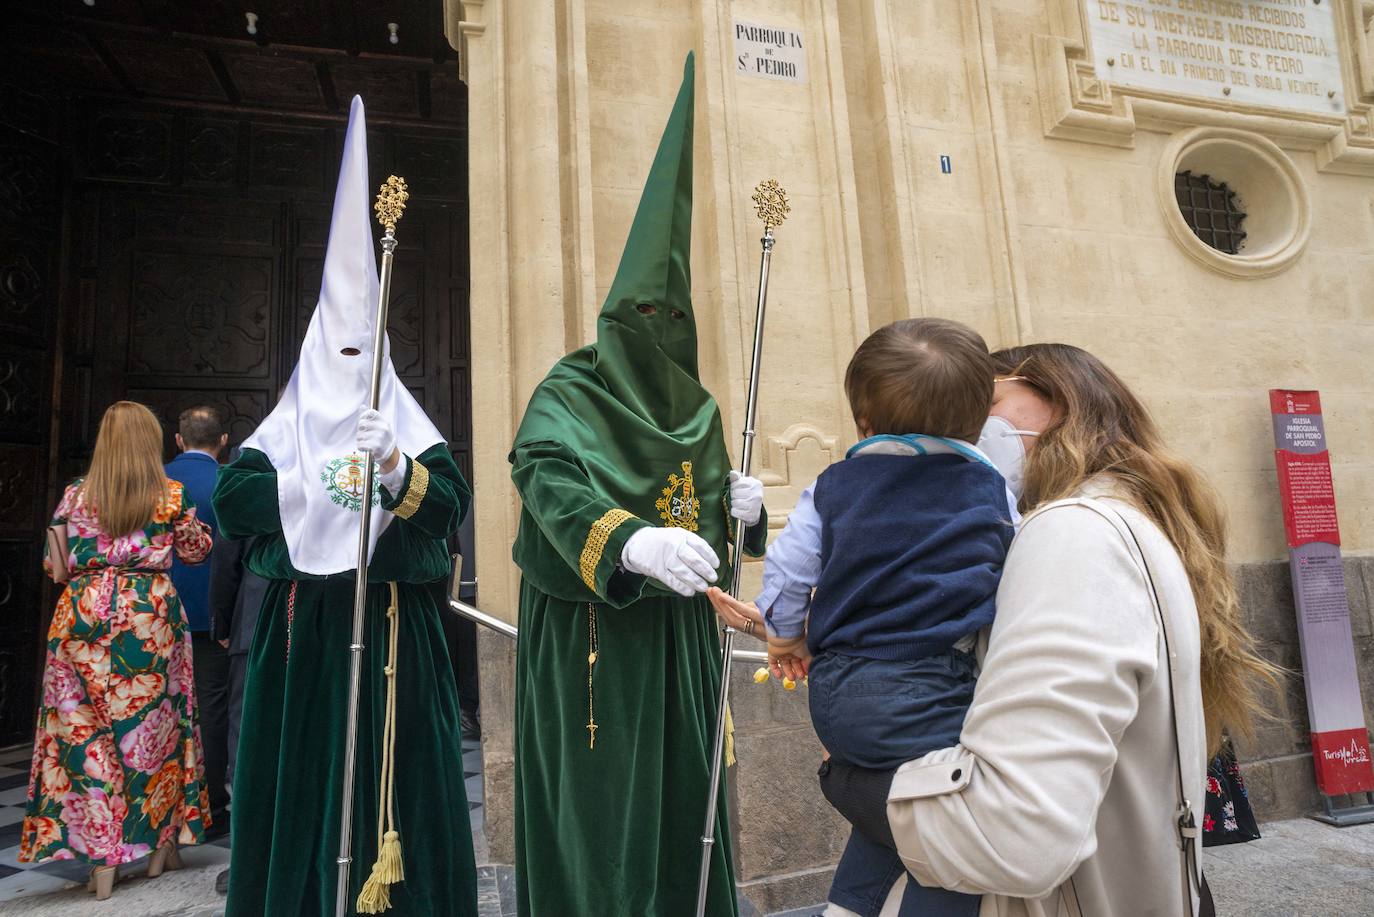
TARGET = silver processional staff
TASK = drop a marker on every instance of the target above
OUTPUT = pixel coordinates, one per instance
(390, 206)
(770, 202)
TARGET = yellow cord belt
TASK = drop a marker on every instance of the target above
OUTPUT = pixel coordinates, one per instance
(389, 869)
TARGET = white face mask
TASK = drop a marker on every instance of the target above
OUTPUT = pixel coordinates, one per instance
(1001, 442)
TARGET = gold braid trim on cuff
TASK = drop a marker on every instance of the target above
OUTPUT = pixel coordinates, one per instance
(419, 486)
(596, 543)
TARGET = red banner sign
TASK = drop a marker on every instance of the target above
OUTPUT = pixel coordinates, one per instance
(1309, 499)
(1340, 739)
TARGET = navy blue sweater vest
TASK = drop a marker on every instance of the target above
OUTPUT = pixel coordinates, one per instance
(912, 549)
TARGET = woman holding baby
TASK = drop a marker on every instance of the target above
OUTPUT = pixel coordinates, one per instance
(1115, 661)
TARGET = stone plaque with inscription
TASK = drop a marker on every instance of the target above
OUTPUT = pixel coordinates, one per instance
(1276, 53)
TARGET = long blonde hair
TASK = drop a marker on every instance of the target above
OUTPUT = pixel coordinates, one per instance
(1099, 428)
(126, 484)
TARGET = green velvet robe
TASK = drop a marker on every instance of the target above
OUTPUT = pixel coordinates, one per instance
(288, 779)
(621, 435)
(612, 830)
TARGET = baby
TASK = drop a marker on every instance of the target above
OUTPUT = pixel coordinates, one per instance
(902, 544)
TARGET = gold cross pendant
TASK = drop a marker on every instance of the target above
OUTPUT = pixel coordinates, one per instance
(591, 728)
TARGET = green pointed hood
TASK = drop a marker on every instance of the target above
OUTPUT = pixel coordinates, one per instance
(629, 410)
(650, 360)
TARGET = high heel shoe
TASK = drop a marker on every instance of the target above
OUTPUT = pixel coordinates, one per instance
(163, 858)
(102, 881)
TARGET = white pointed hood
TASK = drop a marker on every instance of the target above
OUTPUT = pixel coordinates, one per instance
(310, 436)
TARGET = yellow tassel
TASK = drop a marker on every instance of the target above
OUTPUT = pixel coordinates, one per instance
(389, 865)
(729, 738)
(375, 896)
(387, 871)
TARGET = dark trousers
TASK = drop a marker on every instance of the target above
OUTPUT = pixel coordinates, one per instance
(238, 674)
(461, 636)
(880, 714)
(212, 709)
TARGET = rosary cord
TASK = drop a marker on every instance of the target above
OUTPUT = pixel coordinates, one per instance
(593, 644)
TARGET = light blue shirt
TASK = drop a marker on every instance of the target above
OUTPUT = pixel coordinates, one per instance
(792, 565)
(791, 569)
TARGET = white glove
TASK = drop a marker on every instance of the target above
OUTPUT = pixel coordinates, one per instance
(375, 437)
(675, 557)
(393, 479)
(746, 498)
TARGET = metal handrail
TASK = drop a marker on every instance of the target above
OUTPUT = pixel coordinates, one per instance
(472, 613)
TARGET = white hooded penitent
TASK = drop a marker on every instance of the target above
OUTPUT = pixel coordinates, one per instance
(310, 436)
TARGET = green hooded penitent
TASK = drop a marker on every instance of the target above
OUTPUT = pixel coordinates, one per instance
(620, 436)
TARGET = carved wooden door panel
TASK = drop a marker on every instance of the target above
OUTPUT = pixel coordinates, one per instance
(205, 299)
(182, 310)
(193, 265)
(164, 203)
(30, 244)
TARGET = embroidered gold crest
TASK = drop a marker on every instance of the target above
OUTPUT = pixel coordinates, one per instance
(679, 506)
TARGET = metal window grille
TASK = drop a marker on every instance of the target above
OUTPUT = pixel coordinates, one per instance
(1210, 210)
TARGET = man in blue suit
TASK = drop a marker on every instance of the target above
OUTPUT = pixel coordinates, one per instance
(200, 437)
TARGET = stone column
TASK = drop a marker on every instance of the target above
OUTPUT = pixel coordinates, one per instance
(526, 289)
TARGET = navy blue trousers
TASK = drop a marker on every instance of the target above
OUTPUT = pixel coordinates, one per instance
(880, 714)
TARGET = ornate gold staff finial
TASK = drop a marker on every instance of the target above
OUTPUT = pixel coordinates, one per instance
(391, 203)
(771, 203)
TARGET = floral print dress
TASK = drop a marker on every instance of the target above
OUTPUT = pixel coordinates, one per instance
(117, 764)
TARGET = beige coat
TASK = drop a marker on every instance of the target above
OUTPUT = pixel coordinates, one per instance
(1062, 797)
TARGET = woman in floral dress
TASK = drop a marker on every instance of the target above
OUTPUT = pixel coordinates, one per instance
(117, 771)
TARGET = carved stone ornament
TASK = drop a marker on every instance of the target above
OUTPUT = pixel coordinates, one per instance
(789, 462)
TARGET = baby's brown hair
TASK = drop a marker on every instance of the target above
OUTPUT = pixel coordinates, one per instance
(922, 375)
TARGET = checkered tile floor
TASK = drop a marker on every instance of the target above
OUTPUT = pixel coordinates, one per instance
(14, 790)
(24, 880)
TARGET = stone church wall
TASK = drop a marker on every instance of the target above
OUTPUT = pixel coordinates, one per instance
(961, 158)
